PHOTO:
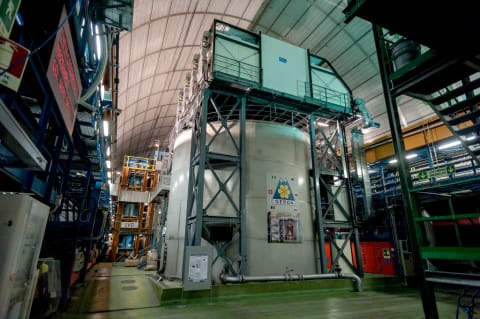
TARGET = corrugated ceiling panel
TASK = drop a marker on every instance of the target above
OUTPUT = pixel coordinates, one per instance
(357, 28)
(176, 80)
(305, 27)
(171, 110)
(123, 80)
(368, 49)
(164, 130)
(132, 95)
(195, 26)
(358, 75)
(167, 96)
(139, 119)
(160, 8)
(142, 11)
(244, 24)
(128, 113)
(161, 112)
(159, 82)
(186, 56)
(414, 110)
(155, 35)
(154, 100)
(179, 6)
(124, 56)
(218, 6)
(368, 45)
(150, 114)
(369, 88)
(150, 65)
(376, 104)
(271, 12)
(141, 105)
(236, 8)
(202, 5)
(334, 49)
(230, 20)
(252, 9)
(122, 100)
(322, 35)
(167, 57)
(289, 17)
(129, 125)
(145, 88)
(135, 72)
(343, 63)
(174, 30)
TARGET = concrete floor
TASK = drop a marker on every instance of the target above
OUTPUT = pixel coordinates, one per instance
(126, 292)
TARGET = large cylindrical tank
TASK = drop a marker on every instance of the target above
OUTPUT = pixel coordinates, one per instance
(278, 210)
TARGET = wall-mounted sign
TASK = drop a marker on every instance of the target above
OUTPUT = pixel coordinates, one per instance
(8, 10)
(197, 268)
(63, 75)
(13, 59)
(283, 217)
(129, 225)
(437, 172)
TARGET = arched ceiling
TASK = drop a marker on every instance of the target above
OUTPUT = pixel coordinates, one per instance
(156, 55)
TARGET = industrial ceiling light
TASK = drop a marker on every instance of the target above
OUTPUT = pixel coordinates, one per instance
(106, 130)
(449, 145)
(107, 162)
(409, 156)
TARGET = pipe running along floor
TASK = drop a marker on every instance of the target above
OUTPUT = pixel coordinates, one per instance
(118, 292)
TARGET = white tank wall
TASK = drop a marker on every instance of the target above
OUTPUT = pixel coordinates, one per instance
(284, 151)
(177, 205)
(270, 149)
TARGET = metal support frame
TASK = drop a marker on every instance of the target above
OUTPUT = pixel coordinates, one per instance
(329, 169)
(426, 289)
(319, 224)
(229, 110)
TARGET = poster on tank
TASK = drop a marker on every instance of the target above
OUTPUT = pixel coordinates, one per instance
(283, 216)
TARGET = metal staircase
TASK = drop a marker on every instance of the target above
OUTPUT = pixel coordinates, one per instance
(442, 69)
(459, 110)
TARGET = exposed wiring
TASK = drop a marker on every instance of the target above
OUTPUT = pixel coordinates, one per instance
(48, 39)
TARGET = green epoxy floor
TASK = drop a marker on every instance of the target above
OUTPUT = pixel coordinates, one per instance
(104, 296)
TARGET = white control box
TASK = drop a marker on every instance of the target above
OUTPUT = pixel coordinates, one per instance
(22, 226)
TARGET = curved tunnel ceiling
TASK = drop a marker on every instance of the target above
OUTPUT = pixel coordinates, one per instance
(156, 55)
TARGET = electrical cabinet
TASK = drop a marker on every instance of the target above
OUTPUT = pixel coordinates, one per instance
(22, 227)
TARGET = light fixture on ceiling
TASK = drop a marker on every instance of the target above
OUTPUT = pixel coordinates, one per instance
(449, 145)
(409, 156)
(106, 130)
(107, 162)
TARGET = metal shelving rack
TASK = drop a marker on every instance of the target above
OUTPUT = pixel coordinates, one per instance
(134, 215)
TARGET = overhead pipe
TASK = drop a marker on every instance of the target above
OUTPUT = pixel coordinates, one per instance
(289, 277)
(101, 67)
